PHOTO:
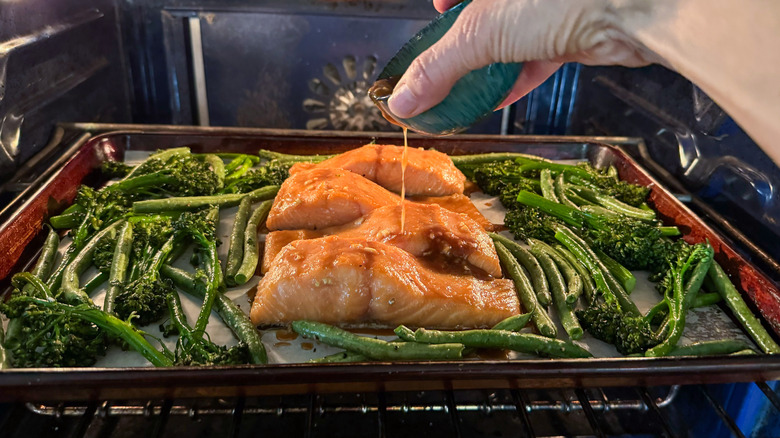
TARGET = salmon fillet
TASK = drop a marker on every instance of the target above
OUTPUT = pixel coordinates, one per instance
(358, 282)
(428, 172)
(459, 204)
(429, 230)
(324, 197)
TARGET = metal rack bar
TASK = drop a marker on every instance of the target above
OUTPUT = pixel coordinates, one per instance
(452, 409)
(382, 414)
(585, 403)
(81, 428)
(649, 403)
(310, 415)
(770, 394)
(238, 412)
(162, 419)
(522, 412)
(721, 413)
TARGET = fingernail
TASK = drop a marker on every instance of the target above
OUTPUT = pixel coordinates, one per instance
(402, 103)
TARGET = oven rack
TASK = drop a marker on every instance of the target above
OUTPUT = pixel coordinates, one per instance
(637, 411)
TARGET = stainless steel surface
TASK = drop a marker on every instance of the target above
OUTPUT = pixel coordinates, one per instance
(198, 71)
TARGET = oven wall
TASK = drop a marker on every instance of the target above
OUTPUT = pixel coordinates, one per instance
(60, 61)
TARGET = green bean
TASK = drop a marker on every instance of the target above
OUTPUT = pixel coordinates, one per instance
(525, 292)
(711, 348)
(65, 221)
(5, 360)
(505, 340)
(476, 159)
(734, 301)
(251, 245)
(45, 262)
(213, 279)
(236, 245)
(119, 263)
(574, 283)
(342, 357)
(605, 282)
(546, 180)
(529, 262)
(231, 314)
(95, 282)
(749, 352)
(70, 289)
(188, 203)
(559, 186)
(623, 275)
(565, 313)
(218, 166)
(612, 203)
(588, 286)
(375, 348)
(514, 323)
(706, 299)
(278, 156)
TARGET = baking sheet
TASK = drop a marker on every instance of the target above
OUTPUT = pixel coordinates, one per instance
(703, 324)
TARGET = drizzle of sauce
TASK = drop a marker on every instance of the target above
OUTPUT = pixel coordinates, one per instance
(282, 344)
(404, 162)
(307, 346)
(286, 335)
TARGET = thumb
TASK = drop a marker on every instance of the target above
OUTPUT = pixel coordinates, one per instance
(432, 74)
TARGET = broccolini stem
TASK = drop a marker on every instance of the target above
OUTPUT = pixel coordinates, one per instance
(514, 323)
(45, 262)
(65, 220)
(741, 311)
(569, 215)
(670, 231)
(621, 273)
(376, 348)
(525, 292)
(95, 282)
(189, 203)
(251, 244)
(613, 204)
(231, 314)
(119, 264)
(706, 299)
(529, 262)
(141, 182)
(505, 340)
(238, 172)
(218, 167)
(236, 245)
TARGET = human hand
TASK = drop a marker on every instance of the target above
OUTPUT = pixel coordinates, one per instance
(541, 34)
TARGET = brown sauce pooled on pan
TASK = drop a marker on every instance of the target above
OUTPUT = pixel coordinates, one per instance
(282, 344)
(286, 335)
(307, 346)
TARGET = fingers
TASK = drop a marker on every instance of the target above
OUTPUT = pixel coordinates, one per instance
(534, 73)
(431, 75)
(443, 5)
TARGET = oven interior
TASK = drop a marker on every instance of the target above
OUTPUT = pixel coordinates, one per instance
(305, 65)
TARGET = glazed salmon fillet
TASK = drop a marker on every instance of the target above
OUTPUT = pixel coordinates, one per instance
(458, 203)
(324, 197)
(428, 173)
(356, 282)
(428, 229)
